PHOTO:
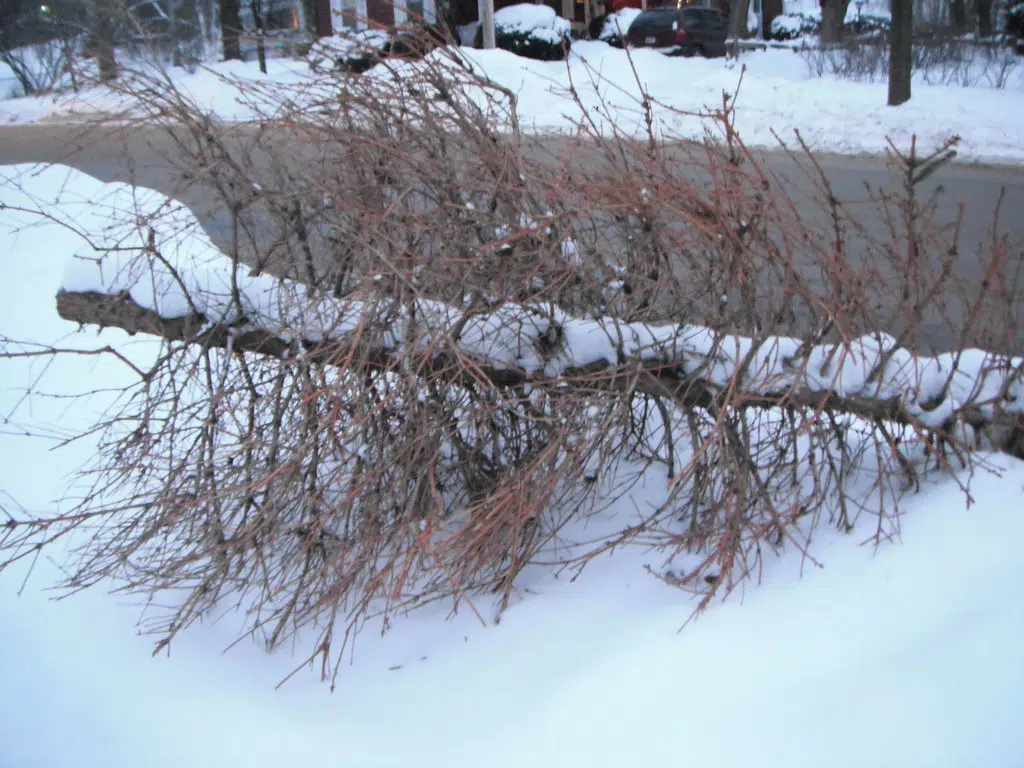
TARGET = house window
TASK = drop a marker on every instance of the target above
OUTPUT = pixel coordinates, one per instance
(349, 14)
(415, 9)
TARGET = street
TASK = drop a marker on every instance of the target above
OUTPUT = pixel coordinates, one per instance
(147, 158)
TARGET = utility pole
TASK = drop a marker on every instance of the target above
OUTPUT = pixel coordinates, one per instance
(487, 21)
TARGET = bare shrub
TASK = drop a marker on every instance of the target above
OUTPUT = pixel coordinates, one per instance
(937, 60)
(43, 67)
(442, 346)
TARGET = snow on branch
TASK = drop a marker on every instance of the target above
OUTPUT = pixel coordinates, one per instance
(146, 284)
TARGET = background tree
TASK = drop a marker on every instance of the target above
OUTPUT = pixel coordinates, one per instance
(983, 8)
(833, 12)
(104, 28)
(38, 42)
(231, 28)
(738, 19)
(256, 9)
(958, 16)
(900, 51)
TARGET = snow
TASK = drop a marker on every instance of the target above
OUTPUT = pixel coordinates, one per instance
(904, 657)
(10, 88)
(906, 654)
(812, 9)
(892, 660)
(467, 33)
(539, 21)
(778, 96)
(617, 24)
(788, 24)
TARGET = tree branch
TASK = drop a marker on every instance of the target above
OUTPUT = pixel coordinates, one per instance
(659, 377)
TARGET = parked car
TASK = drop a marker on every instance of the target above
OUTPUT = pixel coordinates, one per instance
(685, 31)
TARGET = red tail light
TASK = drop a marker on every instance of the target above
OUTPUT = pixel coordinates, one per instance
(682, 35)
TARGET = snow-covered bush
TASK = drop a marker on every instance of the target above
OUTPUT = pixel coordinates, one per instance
(531, 31)
(792, 26)
(867, 25)
(855, 26)
(349, 50)
(612, 27)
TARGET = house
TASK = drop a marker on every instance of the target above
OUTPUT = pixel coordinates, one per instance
(359, 14)
(331, 15)
(577, 11)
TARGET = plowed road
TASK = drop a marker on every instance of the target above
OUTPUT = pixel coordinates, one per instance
(145, 157)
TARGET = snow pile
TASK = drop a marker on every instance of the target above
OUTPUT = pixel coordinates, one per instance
(539, 21)
(617, 24)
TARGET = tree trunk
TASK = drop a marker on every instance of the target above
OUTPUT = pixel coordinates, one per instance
(231, 28)
(661, 378)
(958, 16)
(984, 8)
(900, 52)
(322, 15)
(172, 13)
(738, 19)
(833, 13)
(10, 20)
(256, 7)
(103, 29)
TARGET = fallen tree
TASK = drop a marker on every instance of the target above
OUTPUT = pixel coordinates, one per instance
(869, 378)
(422, 354)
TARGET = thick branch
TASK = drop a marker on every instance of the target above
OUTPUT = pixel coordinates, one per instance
(676, 380)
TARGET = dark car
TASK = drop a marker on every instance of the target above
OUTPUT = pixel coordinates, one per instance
(684, 31)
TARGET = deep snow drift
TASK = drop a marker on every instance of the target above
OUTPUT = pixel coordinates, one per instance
(907, 655)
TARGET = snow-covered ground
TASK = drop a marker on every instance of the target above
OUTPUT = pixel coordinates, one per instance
(778, 95)
(904, 655)
(9, 85)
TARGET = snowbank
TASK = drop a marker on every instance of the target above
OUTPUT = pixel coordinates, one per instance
(777, 97)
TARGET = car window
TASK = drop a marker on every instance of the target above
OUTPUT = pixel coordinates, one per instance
(712, 19)
(655, 19)
(692, 17)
